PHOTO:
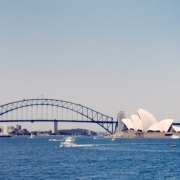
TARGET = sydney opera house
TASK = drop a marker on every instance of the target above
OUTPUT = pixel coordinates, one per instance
(145, 125)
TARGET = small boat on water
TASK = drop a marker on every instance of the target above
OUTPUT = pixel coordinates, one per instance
(69, 141)
(31, 136)
(98, 137)
(174, 137)
(114, 137)
(173, 145)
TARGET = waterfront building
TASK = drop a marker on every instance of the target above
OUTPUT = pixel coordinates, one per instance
(5, 129)
(144, 124)
(120, 125)
(55, 127)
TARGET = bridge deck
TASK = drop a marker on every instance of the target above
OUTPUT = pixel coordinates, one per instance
(176, 124)
(48, 120)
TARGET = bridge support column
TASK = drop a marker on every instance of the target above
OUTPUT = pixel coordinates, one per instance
(55, 126)
(120, 125)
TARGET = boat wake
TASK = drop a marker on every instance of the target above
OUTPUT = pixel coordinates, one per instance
(78, 145)
(54, 140)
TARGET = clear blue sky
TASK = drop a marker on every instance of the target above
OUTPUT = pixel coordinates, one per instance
(107, 55)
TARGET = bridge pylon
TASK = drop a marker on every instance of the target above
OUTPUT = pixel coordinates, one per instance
(55, 126)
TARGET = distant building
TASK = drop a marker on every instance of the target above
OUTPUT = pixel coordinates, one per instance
(5, 129)
(11, 128)
(55, 127)
(18, 127)
(120, 125)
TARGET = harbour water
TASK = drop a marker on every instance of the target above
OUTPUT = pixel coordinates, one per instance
(38, 158)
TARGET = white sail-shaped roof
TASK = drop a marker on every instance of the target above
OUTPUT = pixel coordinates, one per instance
(137, 123)
(144, 117)
(176, 128)
(129, 124)
(149, 115)
(155, 127)
(162, 126)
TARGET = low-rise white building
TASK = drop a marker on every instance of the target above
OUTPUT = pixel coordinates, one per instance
(5, 129)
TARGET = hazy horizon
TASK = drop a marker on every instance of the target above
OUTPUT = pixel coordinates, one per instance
(107, 55)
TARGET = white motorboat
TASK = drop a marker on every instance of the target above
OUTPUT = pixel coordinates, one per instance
(68, 142)
(174, 137)
(98, 137)
(173, 145)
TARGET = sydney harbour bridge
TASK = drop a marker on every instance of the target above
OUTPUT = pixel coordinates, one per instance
(53, 110)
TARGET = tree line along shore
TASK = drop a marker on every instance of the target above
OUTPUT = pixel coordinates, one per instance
(70, 132)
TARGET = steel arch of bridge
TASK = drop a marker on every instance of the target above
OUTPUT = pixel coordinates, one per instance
(92, 116)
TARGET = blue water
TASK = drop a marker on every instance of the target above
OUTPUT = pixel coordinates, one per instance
(23, 158)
